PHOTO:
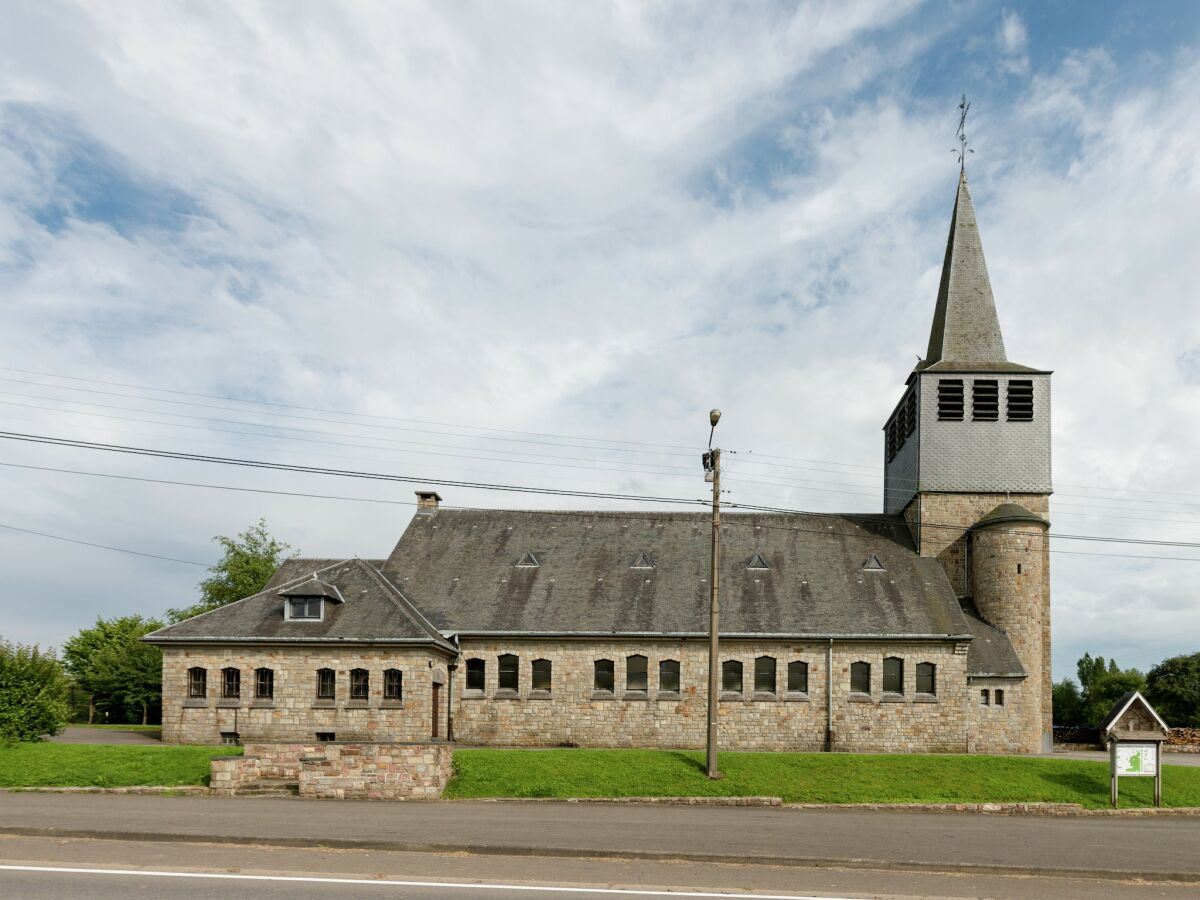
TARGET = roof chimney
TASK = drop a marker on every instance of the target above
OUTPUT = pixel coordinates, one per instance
(427, 502)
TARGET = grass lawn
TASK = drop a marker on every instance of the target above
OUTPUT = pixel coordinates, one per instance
(148, 729)
(806, 777)
(105, 765)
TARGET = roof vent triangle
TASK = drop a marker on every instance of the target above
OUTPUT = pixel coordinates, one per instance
(643, 561)
(529, 561)
(757, 562)
(872, 564)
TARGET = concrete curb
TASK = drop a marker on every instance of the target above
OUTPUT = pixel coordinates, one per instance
(586, 853)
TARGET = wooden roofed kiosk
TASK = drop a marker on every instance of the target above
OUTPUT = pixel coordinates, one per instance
(1135, 735)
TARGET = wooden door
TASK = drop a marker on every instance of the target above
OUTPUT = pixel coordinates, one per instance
(437, 689)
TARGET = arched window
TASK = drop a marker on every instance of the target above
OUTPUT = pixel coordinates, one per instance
(476, 669)
(893, 675)
(798, 677)
(764, 675)
(731, 676)
(197, 682)
(926, 678)
(231, 683)
(542, 675)
(668, 675)
(264, 684)
(326, 684)
(604, 675)
(509, 671)
(360, 684)
(860, 677)
(393, 685)
(635, 673)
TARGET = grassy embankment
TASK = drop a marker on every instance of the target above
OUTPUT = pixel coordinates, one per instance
(105, 765)
(807, 778)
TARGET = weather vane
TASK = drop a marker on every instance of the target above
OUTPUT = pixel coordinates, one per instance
(962, 151)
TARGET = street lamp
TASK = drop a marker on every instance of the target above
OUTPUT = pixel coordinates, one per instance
(712, 472)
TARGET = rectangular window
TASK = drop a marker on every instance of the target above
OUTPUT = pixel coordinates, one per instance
(731, 676)
(1020, 401)
(950, 400)
(999, 696)
(197, 683)
(668, 675)
(360, 684)
(264, 684)
(393, 685)
(860, 678)
(305, 608)
(542, 675)
(985, 400)
(985, 698)
(326, 736)
(893, 675)
(764, 675)
(926, 678)
(231, 684)
(230, 738)
(798, 677)
(509, 671)
(475, 674)
(604, 678)
(635, 673)
(326, 684)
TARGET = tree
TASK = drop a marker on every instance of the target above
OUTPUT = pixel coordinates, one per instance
(248, 564)
(1173, 688)
(1089, 670)
(115, 667)
(33, 694)
(1068, 704)
(1108, 689)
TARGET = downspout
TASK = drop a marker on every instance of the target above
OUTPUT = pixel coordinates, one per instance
(829, 697)
(450, 668)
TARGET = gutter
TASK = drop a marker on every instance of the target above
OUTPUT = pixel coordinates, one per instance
(743, 635)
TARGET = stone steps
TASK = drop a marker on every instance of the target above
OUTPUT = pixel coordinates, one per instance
(269, 788)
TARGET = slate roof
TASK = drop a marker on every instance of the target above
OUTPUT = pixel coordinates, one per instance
(966, 330)
(373, 611)
(1010, 512)
(460, 568)
(991, 652)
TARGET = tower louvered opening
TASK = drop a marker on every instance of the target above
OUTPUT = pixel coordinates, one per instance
(1020, 401)
(985, 400)
(950, 399)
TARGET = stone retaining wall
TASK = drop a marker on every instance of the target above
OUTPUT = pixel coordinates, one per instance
(338, 769)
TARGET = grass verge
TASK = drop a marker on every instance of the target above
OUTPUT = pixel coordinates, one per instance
(105, 765)
(807, 777)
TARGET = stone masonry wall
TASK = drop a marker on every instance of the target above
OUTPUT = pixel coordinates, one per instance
(294, 713)
(341, 771)
(573, 713)
(998, 728)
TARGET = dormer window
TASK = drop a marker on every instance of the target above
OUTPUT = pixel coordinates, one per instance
(529, 561)
(642, 561)
(304, 608)
(757, 563)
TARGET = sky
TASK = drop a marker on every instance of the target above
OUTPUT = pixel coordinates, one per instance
(534, 243)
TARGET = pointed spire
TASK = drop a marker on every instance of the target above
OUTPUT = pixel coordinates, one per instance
(966, 330)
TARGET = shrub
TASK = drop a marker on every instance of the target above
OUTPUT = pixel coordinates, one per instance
(33, 694)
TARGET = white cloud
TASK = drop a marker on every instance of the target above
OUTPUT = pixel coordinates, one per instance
(1013, 40)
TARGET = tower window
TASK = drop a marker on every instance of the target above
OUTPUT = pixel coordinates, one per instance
(950, 400)
(893, 439)
(1020, 401)
(985, 400)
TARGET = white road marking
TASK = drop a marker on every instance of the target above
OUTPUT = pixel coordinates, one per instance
(629, 892)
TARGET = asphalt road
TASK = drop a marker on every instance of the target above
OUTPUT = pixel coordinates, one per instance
(117, 870)
(1148, 847)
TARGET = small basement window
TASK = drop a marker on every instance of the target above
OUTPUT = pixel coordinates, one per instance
(950, 400)
(985, 400)
(1020, 401)
(230, 738)
(326, 736)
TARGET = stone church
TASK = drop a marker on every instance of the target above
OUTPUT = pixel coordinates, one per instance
(926, 628)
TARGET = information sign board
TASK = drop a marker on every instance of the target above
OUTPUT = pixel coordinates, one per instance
(1136, 759)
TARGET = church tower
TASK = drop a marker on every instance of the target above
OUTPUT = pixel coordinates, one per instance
(967, 463)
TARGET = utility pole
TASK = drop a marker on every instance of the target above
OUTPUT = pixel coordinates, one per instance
(712, 470)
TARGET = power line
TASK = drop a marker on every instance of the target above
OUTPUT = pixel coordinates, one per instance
(59, 537)
(563, 492)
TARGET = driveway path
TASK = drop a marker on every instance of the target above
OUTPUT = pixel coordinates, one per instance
(105, 736)
(905, 840)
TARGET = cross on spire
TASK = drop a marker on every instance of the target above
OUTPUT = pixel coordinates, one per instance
(962, 151)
